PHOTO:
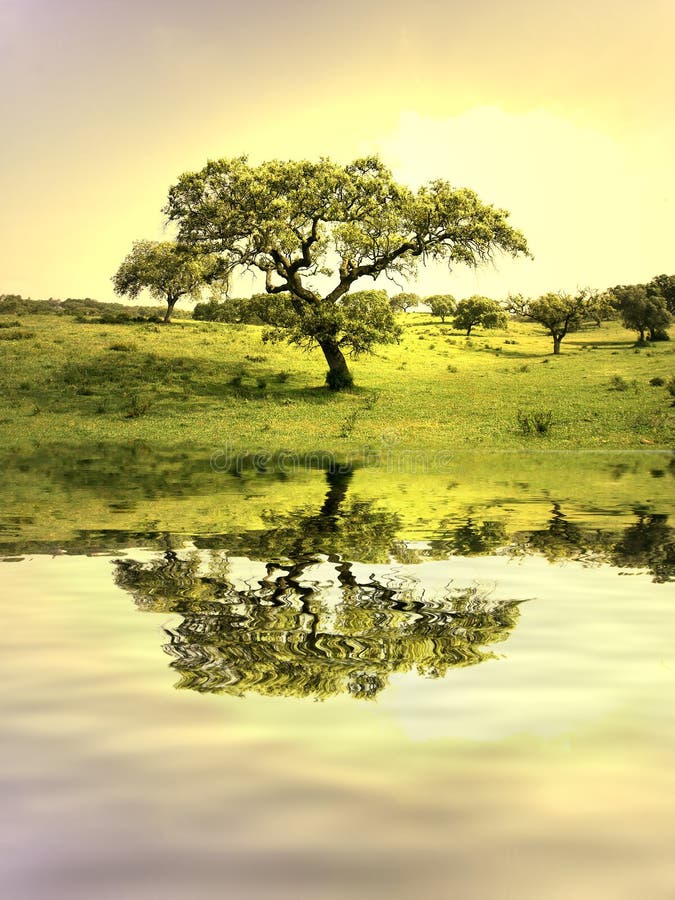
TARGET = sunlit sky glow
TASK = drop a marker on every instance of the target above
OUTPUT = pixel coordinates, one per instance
(561, 112)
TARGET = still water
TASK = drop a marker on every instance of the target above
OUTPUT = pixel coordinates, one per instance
(337, 682)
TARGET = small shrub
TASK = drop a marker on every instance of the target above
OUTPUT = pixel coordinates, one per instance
(657, 381)
(524, 368)
(371, 400)
(535, 421)
(671, 388)
(138, 406)
(453, 369)
(348, 424)
(14, 324)
(282, 377)
(261, 383)
(236, 381)
(256, 359)
(618, 383)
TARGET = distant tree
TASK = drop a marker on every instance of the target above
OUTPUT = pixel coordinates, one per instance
(297, 220)
(229, 309)
(664, 286)
(558, 313)
(479, 311)
(404, 301)
(441, 305)
(213, 310)
(641, 312)
(167, 271)
(600, 308)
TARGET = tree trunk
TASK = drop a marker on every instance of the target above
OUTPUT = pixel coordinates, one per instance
(468, 330)
(338, 376)
(170, 303)
(556, 344)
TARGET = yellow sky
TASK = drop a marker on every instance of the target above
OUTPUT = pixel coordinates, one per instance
(560, 112)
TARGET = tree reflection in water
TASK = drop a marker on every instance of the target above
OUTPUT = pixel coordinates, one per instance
(289, 635)
(312, 632)
(646, 544)
(281, 636)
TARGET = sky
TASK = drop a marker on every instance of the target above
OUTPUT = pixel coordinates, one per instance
(560, 112)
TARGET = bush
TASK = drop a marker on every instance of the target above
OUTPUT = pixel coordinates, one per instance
(535, 421)
(657, 381)
(138, 406)
(671, 388)
(618, 383)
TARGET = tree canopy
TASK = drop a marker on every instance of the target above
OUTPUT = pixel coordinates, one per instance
(479, 311)
(167, 271)
(313, 229)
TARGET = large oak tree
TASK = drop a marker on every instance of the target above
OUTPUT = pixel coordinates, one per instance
(315, 228)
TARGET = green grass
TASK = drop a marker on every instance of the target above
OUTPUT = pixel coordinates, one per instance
(216, 385)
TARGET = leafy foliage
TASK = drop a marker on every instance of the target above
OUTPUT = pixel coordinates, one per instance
(356, 323)
(477, 310)
(642, 311)
(559, 313)
(441, 305)
(404, 301)
(663, 286)
(231, 310)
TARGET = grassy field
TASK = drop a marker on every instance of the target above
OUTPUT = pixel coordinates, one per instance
(215, 385)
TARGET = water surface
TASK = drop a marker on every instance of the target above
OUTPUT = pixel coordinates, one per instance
(338, 681)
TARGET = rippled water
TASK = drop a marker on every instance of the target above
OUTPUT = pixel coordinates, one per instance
(338, 683)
